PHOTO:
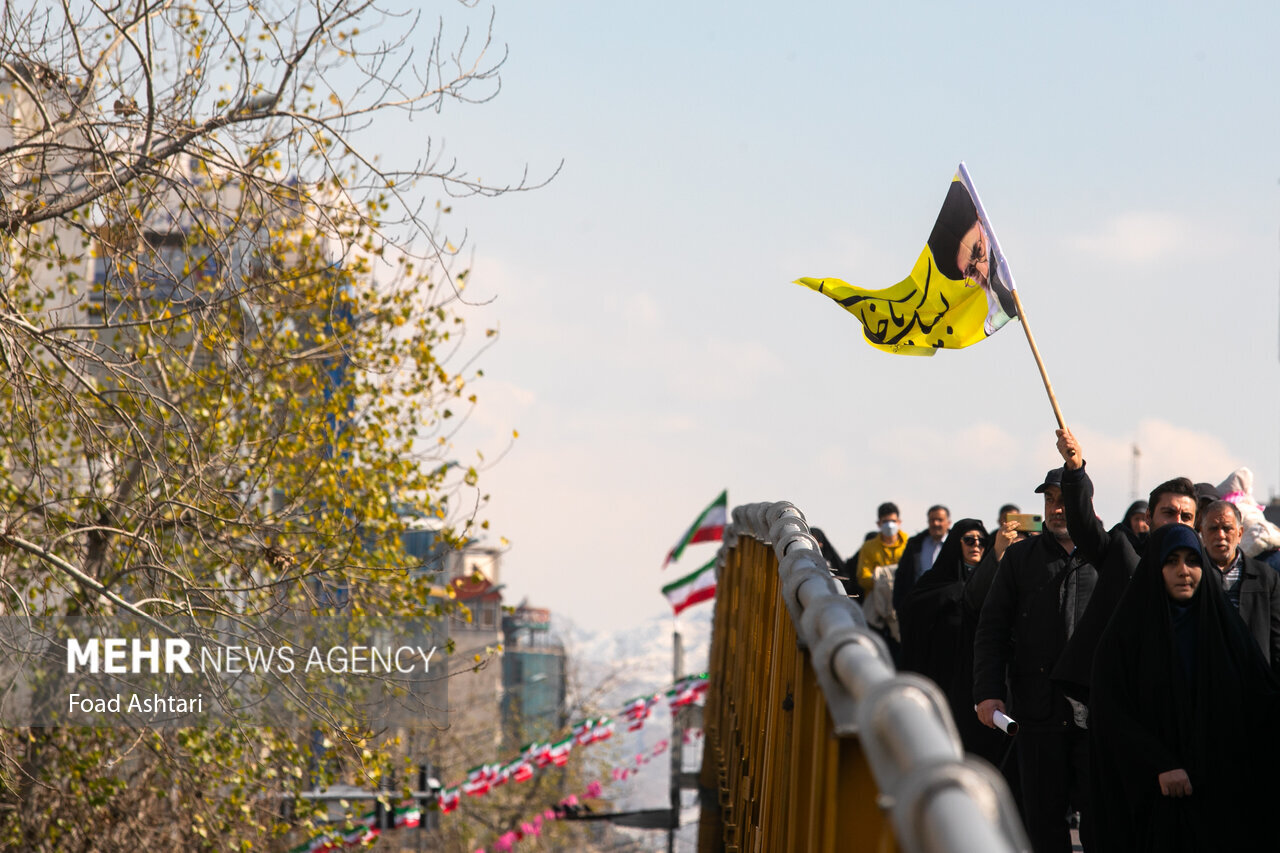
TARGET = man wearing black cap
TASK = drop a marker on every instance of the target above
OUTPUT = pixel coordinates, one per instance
(1036, 599)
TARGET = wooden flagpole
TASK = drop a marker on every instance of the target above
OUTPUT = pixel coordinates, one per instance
(1035, 351)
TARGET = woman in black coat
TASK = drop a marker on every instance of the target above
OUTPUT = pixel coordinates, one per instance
(938, 620)
(1182, 714)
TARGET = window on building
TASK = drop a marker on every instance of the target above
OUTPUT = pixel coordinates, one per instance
(489, 615)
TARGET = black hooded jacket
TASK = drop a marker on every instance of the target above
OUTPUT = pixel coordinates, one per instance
(1036, 600)
(1115, 553)
(1182, 688)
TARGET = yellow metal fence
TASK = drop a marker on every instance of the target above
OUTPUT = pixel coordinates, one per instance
(813, 742)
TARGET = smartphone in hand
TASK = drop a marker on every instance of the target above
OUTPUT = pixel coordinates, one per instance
(1027, 522)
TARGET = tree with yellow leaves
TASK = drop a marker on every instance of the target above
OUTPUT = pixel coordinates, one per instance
(230, 365)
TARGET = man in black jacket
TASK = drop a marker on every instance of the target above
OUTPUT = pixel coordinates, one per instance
(922, 549)
(1113, 552)
(1036, 598)
(1252, 587)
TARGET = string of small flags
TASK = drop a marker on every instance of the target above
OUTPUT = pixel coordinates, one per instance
(538, 755)
(571, 804)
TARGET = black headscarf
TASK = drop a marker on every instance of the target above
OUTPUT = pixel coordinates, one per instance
(937, 628)
(1181, 687)
(1138, 540)
(1135, 508)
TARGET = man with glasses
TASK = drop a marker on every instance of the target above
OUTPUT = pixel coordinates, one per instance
(1036, 598)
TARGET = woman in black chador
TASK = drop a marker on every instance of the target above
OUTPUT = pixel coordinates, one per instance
(1183, 714)
(938, 621)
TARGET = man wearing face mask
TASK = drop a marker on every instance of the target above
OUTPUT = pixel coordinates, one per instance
(876, 568)
(883, 549)
(1039, 591)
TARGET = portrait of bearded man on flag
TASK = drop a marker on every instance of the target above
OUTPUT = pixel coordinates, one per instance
(963, 251)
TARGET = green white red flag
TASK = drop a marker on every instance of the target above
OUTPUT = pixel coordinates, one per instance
(482, 778)
(477, 783)
(584, 732)
(638, 710)
(695, 587)
(687, 690)
(603, 730)
(539, 753)
(707, 527)
(560, 751)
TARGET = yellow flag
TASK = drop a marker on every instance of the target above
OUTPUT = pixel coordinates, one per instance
(959, 292)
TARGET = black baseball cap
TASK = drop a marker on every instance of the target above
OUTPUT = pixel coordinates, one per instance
(1053, 478)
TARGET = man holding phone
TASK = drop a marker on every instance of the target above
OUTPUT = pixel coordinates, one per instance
(1036, 598)
(1026, 522)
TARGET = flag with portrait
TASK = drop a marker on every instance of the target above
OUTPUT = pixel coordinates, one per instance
(959, 292)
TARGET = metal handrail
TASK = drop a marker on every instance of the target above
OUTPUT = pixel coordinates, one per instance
(847, 732)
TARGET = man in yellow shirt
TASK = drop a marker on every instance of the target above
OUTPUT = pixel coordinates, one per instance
(875, 567)
(884, 549)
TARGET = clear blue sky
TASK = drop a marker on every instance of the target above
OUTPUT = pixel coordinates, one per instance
(654, 351)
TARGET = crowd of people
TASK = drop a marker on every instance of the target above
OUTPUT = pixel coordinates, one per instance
(1141, 661)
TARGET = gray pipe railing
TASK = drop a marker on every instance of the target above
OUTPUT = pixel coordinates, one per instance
(938, 800)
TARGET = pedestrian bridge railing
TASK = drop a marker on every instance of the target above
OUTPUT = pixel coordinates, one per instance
(813, 741)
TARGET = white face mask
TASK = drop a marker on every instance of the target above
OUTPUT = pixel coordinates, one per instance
(889, 529)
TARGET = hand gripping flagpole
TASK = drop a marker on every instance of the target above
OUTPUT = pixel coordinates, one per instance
(1002, 266)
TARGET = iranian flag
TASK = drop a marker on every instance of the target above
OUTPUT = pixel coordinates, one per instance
(448, 800)
(638, 710)
(584, 732)
(695, 587)
(541, 754)
(500, 775)
(687, 690)
(560, 752)
(477, 783)
(708, 527)
(603, 730)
